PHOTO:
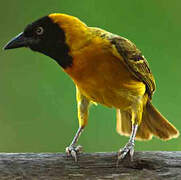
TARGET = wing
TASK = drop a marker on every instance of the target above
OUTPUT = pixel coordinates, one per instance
(135, 62)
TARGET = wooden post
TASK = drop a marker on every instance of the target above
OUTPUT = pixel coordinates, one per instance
(57, 166)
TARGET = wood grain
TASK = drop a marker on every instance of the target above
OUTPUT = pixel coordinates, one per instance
(57, 166)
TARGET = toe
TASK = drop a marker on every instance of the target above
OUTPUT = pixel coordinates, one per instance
(73, 151)
(129, 148)
(79, 149)
(74, 155)
(122, 153)
(131, 152)
(67, 150)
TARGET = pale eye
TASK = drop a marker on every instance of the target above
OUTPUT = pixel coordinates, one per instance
(39, 30)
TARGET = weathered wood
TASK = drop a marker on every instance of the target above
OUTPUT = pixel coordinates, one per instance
(49, 166)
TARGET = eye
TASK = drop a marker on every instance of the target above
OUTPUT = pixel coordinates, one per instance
(39, 30)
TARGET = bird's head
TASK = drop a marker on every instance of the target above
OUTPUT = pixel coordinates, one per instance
(54, 35)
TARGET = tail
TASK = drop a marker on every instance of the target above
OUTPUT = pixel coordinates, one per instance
(153, 123)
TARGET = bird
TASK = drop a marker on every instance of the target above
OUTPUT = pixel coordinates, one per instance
(106, 69)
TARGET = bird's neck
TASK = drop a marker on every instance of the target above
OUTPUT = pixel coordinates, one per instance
(77, 33)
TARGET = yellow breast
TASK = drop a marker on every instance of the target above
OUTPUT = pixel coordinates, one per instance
(104, 78)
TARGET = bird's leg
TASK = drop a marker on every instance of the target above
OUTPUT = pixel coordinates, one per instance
(137, 110)
(73, 149)
(129, 147)
(82, 105)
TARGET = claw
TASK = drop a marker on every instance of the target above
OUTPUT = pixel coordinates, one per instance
(129, 148)
(79, 149)
(131, 152)
(73, 151)
(74, 155)
(67, 151)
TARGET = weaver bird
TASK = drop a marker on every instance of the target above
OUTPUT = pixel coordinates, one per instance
(107, 69)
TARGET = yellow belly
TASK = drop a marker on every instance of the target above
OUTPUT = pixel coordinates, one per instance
(103, 78)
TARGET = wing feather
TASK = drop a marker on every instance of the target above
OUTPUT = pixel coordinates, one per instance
(135, 62)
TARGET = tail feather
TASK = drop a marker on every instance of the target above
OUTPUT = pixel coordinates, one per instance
(153, 123)
(123, 123)
(158, 124)
(124, 126)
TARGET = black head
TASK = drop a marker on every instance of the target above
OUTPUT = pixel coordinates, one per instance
(46, 37)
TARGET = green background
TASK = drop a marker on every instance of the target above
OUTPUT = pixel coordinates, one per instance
(37, 99)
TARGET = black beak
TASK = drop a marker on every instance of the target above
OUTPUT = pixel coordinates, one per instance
(19, 41)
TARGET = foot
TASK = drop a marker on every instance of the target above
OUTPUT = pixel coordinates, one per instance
(73, 151)
(129, 148)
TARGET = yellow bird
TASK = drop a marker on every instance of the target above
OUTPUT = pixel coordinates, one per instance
(107, 69)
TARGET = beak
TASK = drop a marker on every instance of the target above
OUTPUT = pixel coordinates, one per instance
(19, 41)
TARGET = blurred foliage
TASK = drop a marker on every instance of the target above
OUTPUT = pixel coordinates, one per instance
(37, 100)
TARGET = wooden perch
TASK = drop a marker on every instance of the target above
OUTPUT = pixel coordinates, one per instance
(56, 166)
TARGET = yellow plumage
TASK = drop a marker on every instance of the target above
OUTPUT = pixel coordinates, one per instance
(102, 75)
(106, 69)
